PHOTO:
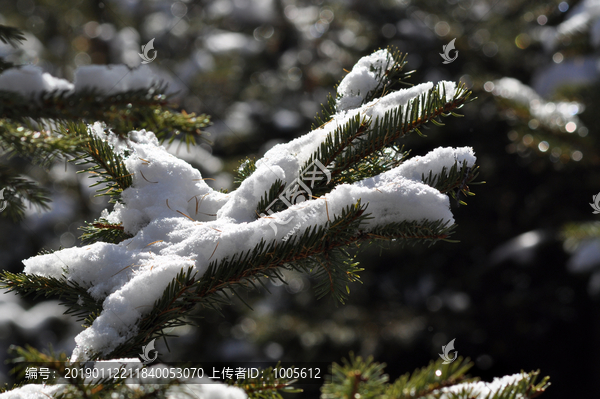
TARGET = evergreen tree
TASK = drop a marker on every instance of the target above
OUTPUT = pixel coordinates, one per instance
(149, 262)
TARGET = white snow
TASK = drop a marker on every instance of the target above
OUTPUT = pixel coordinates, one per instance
(435, 161)
(178, 221)
(30, 80)
(365, 77)
(290, 156)
(362, 79)
(479, 389)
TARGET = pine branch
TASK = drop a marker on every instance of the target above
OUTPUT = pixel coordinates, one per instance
(363, 147)
(366, 379)
(327, 111)
(78, 301)
(102, 230)
(379, 162)
(389, 77)
(318, 249)
(548, 128)
(11, 35)
(70, 139)
(425, 381)
(41, 142)
(106, 165)
(246, 168)
(268, 204)
(337, 269)
(360, 138)
(454, 181)
(15, 190)
(424, 232)
(123, 112)
(355, 378)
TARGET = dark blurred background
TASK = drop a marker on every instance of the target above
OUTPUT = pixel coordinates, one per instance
(520, 289)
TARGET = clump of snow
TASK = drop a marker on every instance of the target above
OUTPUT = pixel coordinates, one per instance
(479, 389)
(392, 199)
(283, 161)
(435, 161)
(449, 88)
(30, 80)
(177, 221)
(364, 77)
(379, 106)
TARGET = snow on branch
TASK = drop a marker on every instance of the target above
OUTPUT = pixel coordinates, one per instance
(121, 97)
(177, 222)
(560, 115)
(30, 80)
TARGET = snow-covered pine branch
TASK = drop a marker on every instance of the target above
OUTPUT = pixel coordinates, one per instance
(33, 102)
(189, 242)
(546, 127)
(359, 377)
(121, 97)
(559, 116)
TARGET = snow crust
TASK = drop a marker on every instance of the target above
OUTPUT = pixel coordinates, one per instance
(177, 221)
(30, 80)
